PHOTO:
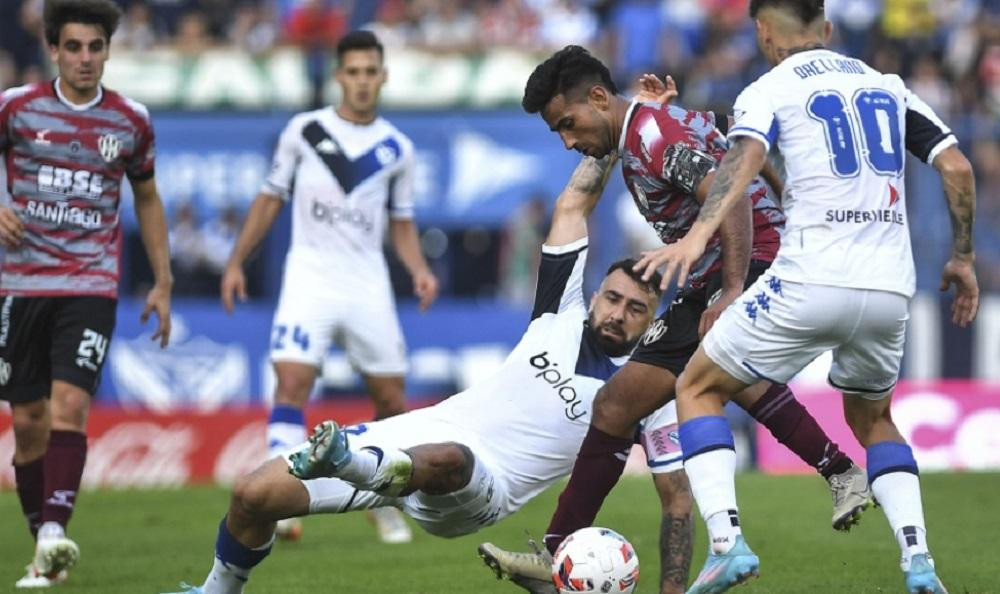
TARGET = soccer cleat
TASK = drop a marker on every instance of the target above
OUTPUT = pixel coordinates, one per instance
(325, 453)
(187, 589)
(390, 524)
(36, 579)
(289, 529)
(851, 497)
(724, 571)
(530, 571)
(53, 555)
(921, 577)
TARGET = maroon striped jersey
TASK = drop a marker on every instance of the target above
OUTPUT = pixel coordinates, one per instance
(665, 151)
(65, 165)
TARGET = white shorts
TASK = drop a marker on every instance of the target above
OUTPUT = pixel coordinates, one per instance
(778, 327)
(307, 322)
(475, 506)
(658, 436)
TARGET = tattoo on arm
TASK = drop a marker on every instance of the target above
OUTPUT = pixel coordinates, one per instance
(722, 183)
(962, 209)
(590, 175)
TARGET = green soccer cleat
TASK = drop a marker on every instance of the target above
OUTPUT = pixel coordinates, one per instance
(721, 572)
(921, 578)
(325, 453)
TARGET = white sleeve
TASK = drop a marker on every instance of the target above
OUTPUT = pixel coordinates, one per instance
(286, 161)
(754, 114)
(400, 202)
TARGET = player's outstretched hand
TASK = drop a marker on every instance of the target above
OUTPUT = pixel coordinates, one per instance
(234, 284)
(714, 310)
(962, 274)
(652, 89)
(677, 258)
(158, 300)
(11, 228)
(425, 287)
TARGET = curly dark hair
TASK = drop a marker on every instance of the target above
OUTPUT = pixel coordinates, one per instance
(806, 11)
(103, 13)
(625, 265)
(564, 72)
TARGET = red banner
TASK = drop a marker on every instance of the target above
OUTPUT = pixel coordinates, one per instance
(951, 425)
(145, 449)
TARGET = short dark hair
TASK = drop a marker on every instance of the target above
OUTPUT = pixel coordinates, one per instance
(626, 265)
(563, 72)
(358, 40)
(806, 11)
(103, 13)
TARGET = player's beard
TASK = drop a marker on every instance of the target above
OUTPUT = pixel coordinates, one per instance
(614, 343)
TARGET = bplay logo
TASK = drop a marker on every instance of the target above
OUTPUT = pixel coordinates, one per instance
(574, 408)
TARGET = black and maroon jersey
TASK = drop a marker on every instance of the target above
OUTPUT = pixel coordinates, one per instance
(665, 151)
(65, 165)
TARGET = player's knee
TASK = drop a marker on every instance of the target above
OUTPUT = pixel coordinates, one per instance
(31, 429)
(612, 413)
(252, 496)
(447, 467)
(293, 389)
(69, 408)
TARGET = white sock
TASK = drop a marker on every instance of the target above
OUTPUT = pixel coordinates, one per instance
(899, 495)
(713, 483)
(282, 436)
(362, 467)
(229, 579)
(51, 530)
(374, 469)
(225, 579)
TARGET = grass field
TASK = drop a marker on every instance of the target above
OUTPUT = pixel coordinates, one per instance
(148, 541)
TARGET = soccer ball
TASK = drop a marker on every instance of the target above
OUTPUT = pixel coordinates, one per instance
(595, 560)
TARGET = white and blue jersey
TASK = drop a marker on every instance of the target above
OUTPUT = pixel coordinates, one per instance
(342, 179)
(844, 201)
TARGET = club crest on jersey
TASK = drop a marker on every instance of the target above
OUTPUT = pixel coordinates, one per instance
(110, 147)
(654, 332)
(4, 372)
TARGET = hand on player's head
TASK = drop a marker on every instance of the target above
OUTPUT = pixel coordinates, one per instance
(654, 90)
(965, 305)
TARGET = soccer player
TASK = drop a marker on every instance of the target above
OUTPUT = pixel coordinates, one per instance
(343, 168)
(843, 277)
(444, 465)
(669, 156)
(67, 144)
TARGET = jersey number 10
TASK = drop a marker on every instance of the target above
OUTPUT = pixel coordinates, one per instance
(878, 113)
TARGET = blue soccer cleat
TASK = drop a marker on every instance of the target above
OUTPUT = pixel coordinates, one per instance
(186, 589)
(921, 578)
(325, 453)
(721, 572)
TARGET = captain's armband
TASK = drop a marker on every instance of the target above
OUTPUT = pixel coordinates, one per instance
(685, 168)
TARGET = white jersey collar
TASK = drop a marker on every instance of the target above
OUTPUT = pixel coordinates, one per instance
(78, 106)
(628, 118)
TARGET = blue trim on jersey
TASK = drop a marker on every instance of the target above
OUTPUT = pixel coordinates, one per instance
(350, 173)
(890, 456)
(231, 552)
(666, 462)
(591, 361)
(287, 414)
(705, 434)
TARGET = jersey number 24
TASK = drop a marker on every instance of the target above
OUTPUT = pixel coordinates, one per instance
(877, 111)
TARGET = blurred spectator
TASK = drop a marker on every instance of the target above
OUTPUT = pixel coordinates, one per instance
(218, 238)
(519, 253)
(392, 25)
(316, 26)
(136, 28)
(568, 22)
(635, 37)
(20, 39)
(192, 34)
(447, 26)
(508, 23)
(253, 29)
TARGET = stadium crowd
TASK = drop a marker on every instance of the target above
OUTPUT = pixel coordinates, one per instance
(948, 51)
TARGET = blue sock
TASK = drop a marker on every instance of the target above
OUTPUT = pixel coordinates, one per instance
(233, 562)
(286, 427)
(704, 434)
(890, 456)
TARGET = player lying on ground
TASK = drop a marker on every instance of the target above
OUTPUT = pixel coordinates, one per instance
(444, 465)
(669, 156)
(845, 256)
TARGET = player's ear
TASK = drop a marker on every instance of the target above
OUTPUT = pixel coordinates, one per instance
(827, 31)
(599, 97)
